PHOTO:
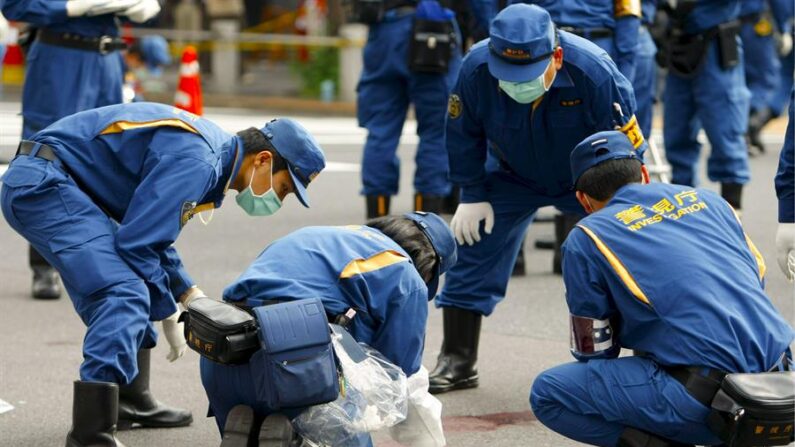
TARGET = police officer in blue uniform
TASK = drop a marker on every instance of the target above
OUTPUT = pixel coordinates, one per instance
(73, 65)
(658, 268)
(386, 88)
(762, 65)
(644, 81)
(102, 195)
(705, 87)
(523, 100)
(785, 191)
(386, 271)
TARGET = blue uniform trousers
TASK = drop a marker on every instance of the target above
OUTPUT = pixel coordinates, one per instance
(762, 66)
(592, 402)
(718, 100)
(780, 99)
(477, 282)
(45, 205)
(645, 81)
(230, 385)
(61, 81)
(385, 90)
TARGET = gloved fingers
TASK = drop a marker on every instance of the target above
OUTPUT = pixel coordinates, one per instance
(100, 7)
(489, 221)
(176, 352)
(782, 258)
(790, 272)
(455, 227)
(468, 236)
(143, 11)
(474, 228)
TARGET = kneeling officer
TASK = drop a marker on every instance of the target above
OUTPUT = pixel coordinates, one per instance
(666, 270)
(386, 271)
(103, 194)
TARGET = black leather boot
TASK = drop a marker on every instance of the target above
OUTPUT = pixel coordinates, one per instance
(94, 413)
(564, 223)
(632, 437)
(756, 122)
(45, 283)
(732, 193)
(519, 266)
(239, 427)
(429, 203)
(137, 406)
(277, 431)
(456, 367)
(377, 206)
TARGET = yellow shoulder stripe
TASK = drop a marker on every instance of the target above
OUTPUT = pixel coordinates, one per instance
(379, 261)
(121, 126)
(760, 260)
(621, 271)
(627, 8)
(632, 131)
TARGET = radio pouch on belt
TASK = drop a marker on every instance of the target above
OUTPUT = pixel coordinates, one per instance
(685, 53)
(368, 12)
(296, 361)
(755, 409)
(220, 331)
(727, 44)
(433, 38)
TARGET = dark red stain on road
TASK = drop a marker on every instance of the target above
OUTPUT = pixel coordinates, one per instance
(486, 422)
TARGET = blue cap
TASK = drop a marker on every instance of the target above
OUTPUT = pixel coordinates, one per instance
(154, 51)
(598, 148)
(304, 157)
(443, 242)
(521, 43)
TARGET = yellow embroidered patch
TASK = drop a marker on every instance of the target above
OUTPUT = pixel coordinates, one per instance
(454, 106)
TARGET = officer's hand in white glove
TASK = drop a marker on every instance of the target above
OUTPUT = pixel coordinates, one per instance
(190, 295)
(784, 44)
(175, 335)
(78, 8)
(466, 221)
(785, 249)
(143, 11)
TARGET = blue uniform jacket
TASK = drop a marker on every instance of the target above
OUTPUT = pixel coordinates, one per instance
(621, 16)
(151, 167)
(51, 14)
(711, 13)
(782, 11)
(347, 267)
(785, 177)
(672, 268)
(533, 140)
(648, 9)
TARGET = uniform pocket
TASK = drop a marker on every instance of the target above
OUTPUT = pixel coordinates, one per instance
(24, 173)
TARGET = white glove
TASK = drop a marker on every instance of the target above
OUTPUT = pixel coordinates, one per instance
(466, 221)
(785, 249)
(78, 8)
(192, 293)
(423, 424)
(141, 12)
(784, 44)
(175, 335)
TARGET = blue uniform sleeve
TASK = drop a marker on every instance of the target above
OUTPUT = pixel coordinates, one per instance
(179, 279)
(613, 107)
(587, 293)
(783, 11)
(785, 177)
(401, 334)
(36, 12)
(154, 218)
(466, 140)
(625, 40)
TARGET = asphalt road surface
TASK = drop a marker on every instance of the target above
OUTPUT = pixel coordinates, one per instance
(41, 341)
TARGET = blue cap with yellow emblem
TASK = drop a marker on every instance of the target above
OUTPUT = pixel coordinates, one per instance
(304, 157)
(443, 242)
(522, 39)
(598, 148)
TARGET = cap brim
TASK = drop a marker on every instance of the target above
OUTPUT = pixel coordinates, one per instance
(433, 287)
(506, 71)
(300, 190)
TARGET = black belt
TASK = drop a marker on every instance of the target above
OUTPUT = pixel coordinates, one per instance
(751, 18)
(45, 152)
(701, 383)
(101, 44)
(588, 33)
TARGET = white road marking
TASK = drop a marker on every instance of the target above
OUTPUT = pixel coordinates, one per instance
(5, 407)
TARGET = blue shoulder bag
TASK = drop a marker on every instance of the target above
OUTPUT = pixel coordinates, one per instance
(296, 361)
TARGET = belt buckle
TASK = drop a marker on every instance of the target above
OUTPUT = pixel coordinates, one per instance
(104, 42)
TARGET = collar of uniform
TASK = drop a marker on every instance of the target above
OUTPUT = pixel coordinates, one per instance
(231, 159)
(562, 79)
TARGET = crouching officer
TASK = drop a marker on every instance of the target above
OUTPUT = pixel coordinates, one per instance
(523, 100)
(385, 271)
(666, 270)
(103, 194)
(411, 57)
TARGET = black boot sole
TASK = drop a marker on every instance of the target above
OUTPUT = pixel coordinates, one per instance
(472, 382)
(130, 424)
(238, 427)
(276, 431)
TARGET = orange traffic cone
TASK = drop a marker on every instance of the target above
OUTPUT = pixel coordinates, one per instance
(189, 90)
(13, 65)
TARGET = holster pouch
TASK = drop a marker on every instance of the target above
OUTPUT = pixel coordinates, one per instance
(368, 12)
(684, 54)
(220, 331)
(727, 44)
(26, 38)
(431, 47)
(296, 365)
(755, 409)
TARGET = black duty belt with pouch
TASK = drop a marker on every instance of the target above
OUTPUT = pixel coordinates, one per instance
(746, 409)
(222, 332)
(432, 45)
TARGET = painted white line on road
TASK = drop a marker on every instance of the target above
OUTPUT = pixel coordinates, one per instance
(5, 407)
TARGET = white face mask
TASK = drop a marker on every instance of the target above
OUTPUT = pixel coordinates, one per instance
(263, 204)
(527, 92)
